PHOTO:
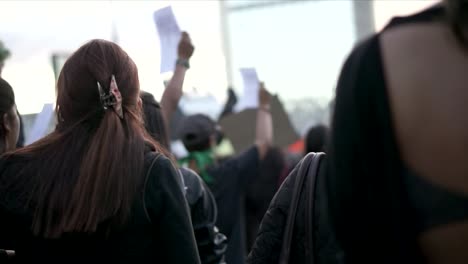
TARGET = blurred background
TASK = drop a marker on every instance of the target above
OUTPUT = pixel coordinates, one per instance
(296, 46)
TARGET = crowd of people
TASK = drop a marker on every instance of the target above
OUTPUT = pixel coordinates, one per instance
(105, 186)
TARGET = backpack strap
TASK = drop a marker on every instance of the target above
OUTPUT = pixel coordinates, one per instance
(311, 187)
(150, 160)
(289, 228)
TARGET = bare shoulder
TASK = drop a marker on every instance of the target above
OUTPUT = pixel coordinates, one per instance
(425, 73)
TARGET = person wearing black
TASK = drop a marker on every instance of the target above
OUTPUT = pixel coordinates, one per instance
(398, 176)
(228, 179)
(98, 188)
(211, 243)
(396, 185)
(394, 189)
(9, 130)
(261, 190)
(316, 139)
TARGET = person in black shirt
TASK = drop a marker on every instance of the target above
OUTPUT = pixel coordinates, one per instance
(228, 180)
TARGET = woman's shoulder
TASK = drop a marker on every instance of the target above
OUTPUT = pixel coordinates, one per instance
(160, 171)
(9, 163)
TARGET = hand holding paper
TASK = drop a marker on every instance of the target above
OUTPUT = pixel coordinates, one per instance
(185, 48)
(264, 96)
(251, 88)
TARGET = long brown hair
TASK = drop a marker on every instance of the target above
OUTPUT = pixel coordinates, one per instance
(457, 11)
(88, 170)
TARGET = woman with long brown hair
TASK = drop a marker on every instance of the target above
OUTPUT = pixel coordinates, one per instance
(98, 187)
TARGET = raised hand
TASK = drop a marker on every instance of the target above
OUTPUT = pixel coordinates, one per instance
(185, 48)
(264, 98)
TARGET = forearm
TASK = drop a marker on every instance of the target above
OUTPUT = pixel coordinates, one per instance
(172, 94)
(264, 130)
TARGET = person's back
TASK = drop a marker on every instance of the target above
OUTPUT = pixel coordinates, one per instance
(261, 189)
(407, 166)
(228, 179)
(428, 101)
(97, 188)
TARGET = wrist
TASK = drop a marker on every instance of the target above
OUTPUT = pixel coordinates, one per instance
(265, 108)
(183, 62)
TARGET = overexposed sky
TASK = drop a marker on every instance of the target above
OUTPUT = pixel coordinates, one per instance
(33, 30)
(384, 10)
(298, 49)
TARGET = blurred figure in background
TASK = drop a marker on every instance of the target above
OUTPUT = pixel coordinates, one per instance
(261, 190)
(9, 122)
(4, 54)
(98, 188)
(230, 104)
(316, 139)
(9, 131)
(228, 180)
(398, 183)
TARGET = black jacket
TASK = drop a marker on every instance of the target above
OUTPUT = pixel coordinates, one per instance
(158, 231)
(267, 246)
(211, 244)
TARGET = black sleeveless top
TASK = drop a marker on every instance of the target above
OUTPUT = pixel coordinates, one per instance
(379, 206)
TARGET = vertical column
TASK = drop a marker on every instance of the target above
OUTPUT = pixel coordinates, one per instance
(224, 19)
(364, 22)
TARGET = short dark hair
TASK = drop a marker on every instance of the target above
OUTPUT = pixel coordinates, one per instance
(316, 139)
(196, 132)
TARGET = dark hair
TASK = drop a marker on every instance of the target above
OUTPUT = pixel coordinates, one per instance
(316, 139)
(203, 145)
(154, 120)
(196, 132)
(457, 11)
(262, 189)
(7, 101)
(88, 170)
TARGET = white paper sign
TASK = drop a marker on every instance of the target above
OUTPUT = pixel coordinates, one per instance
(41, 124)
(251, 87)
(169, 36)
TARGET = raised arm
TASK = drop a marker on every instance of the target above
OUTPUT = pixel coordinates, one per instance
(173, 92)
(264, 129)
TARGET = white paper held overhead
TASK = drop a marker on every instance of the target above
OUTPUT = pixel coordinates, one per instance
(249, 98)
(169, 36)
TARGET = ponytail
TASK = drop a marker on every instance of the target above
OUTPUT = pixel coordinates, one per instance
(97, 179)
